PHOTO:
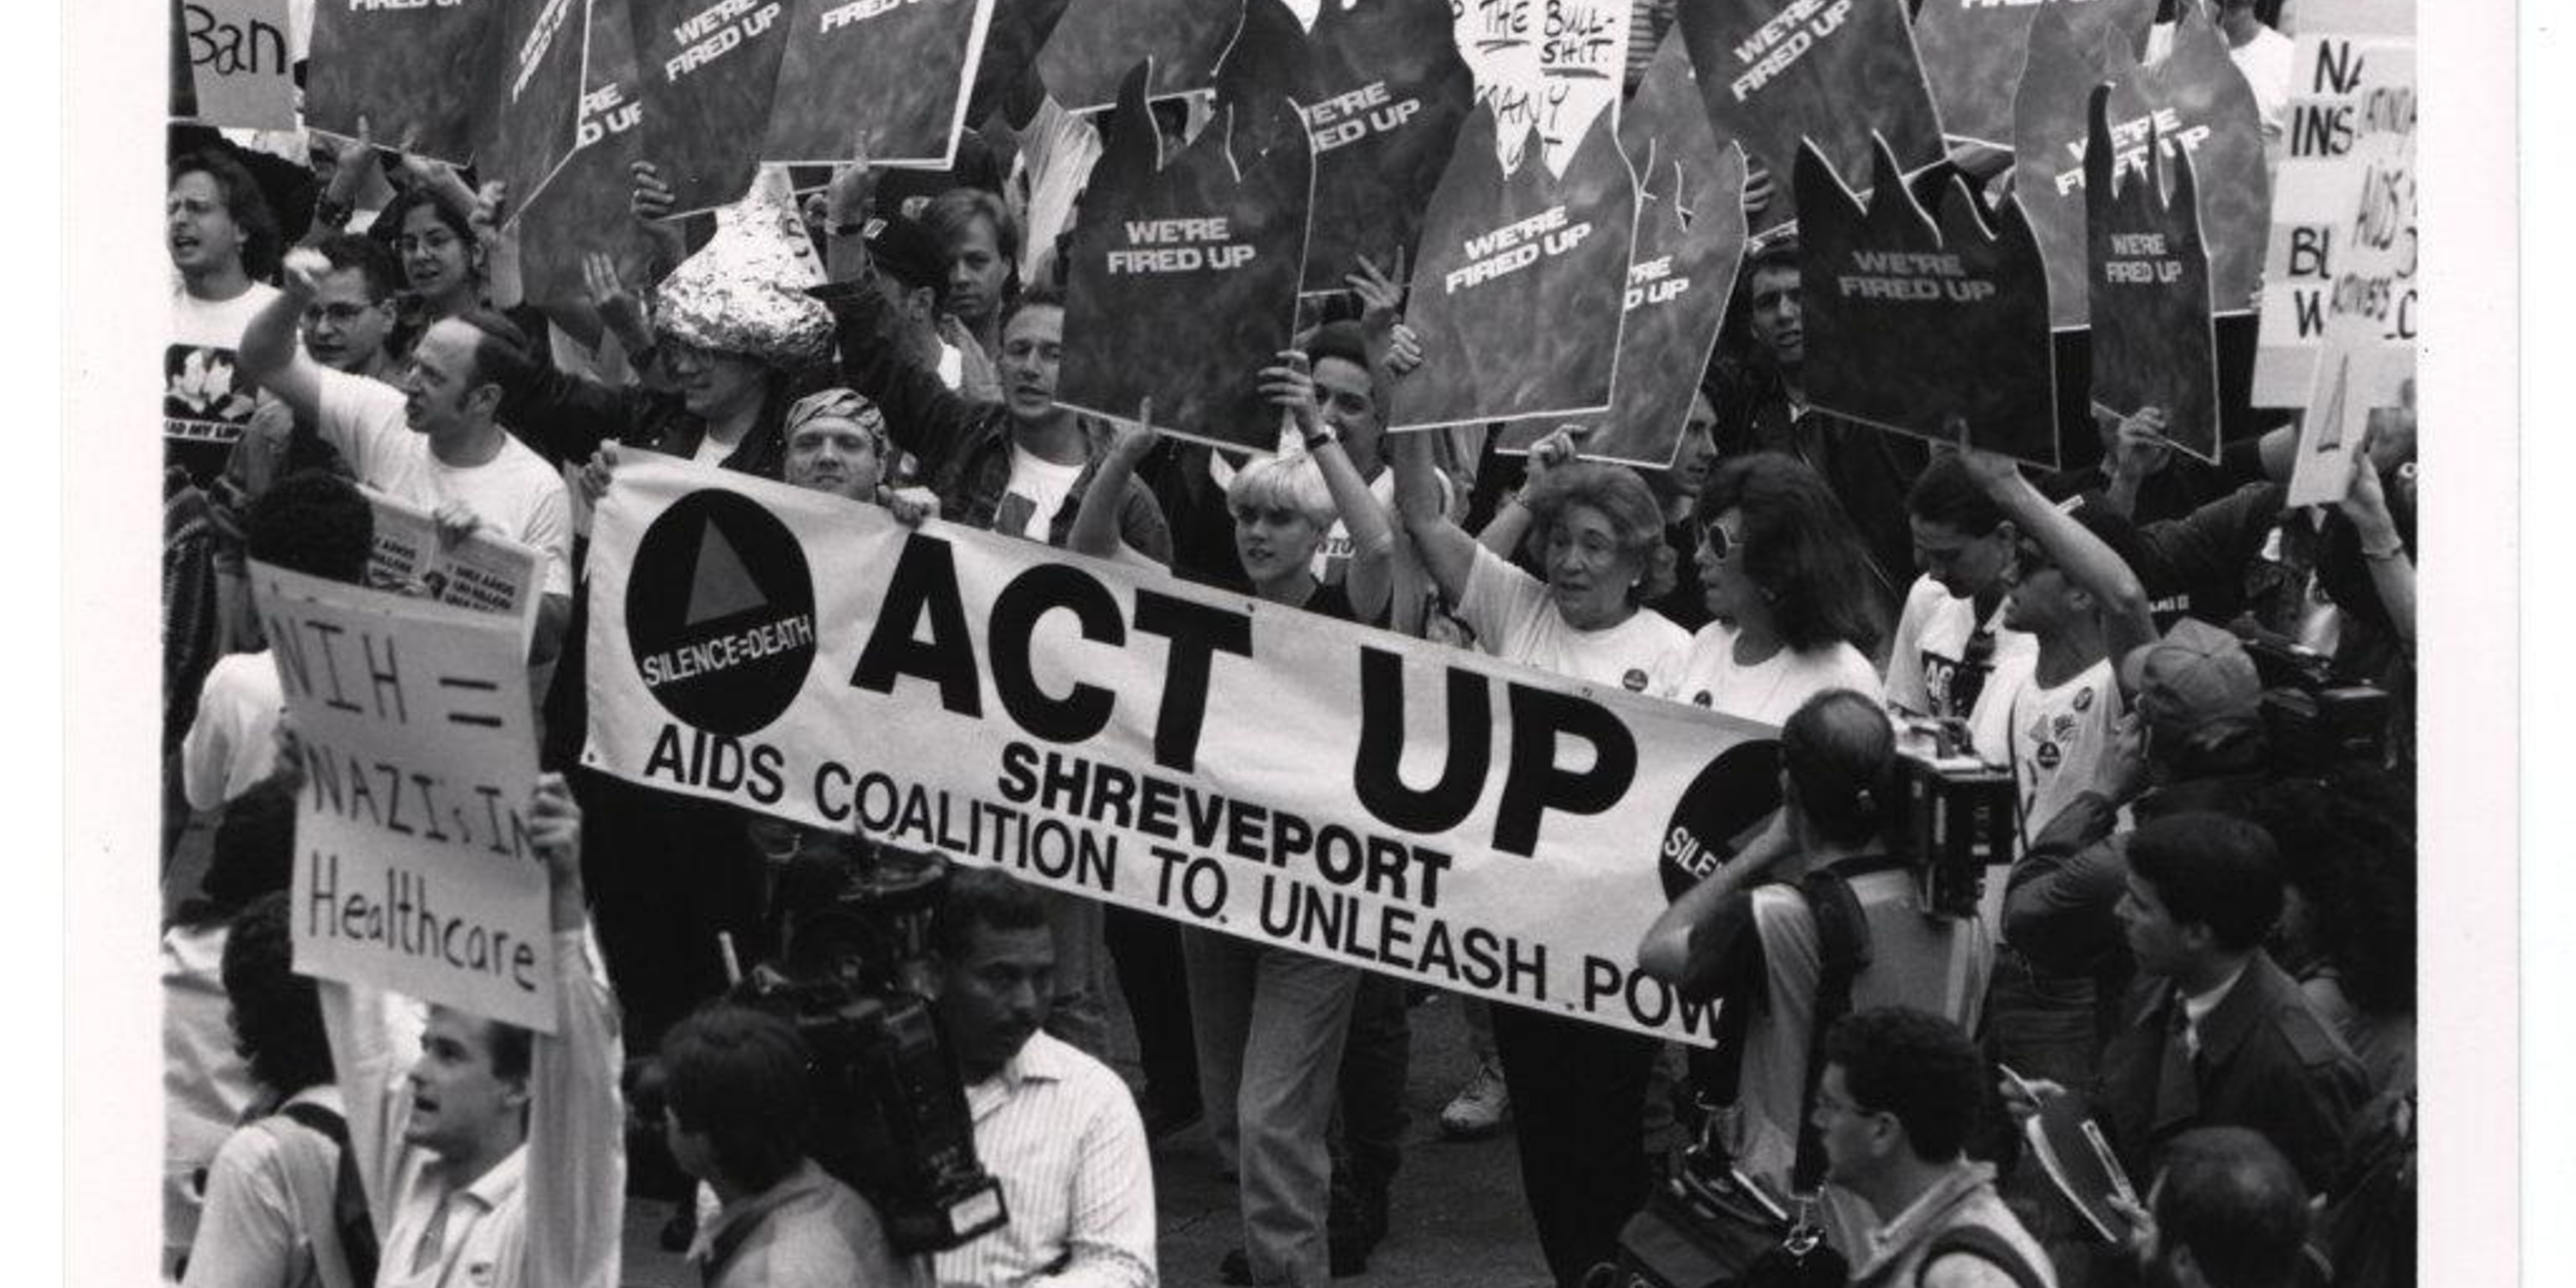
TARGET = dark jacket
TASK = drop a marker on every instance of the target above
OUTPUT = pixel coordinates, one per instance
(1869, 469)
(2267, 1062)
(566, 417)
(964, 445)
(2060, 908)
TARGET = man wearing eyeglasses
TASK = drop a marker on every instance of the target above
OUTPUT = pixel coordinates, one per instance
(351, 315)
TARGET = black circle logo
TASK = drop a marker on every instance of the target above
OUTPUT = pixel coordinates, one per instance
(1718, 814)
(720, 612)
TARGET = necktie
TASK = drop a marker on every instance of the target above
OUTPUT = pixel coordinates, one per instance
(2177, 1084)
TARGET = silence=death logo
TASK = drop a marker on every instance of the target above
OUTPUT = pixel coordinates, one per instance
(720, 613)
(1721, 812)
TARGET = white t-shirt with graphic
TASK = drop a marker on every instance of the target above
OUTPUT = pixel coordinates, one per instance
(2061, 735)
(516, 493)
(206, 401)
(1928, 671)
(1037, 489)
(1771, 690)
(1515, 620)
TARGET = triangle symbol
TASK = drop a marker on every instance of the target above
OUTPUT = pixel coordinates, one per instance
(721, 586)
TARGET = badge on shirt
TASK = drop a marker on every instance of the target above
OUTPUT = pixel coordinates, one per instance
(1701, 698)
(1635, 680)
(2083, 699)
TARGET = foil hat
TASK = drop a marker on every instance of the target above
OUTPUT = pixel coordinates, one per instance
(744, 291)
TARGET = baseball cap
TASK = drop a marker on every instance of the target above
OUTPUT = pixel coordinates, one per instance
(905, 251)
(2197, 680)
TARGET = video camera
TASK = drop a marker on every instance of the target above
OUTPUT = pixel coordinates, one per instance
(891, 1119)
(1959, 814)
(2312, 721)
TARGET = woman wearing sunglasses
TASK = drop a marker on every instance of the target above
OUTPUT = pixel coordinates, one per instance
(1784, 573)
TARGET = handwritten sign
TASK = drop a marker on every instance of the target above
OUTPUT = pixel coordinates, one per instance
(236, 51)
(414, 870)
(2370, 295)
(1548, 68)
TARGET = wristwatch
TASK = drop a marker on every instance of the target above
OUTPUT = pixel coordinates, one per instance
(1324, 433)
(332, 214)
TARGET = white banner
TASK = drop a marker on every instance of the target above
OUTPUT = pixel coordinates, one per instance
(483, 572)
(414, 871)
(1230, 764)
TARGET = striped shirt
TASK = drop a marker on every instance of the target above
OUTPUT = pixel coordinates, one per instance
(1061, 1134)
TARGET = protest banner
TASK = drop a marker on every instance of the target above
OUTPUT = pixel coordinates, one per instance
(1181, 276)
(584, 210)
(2154, 344)
(1019, 29)
(482, 572)
(1973, 51)
(1229, 764)
(1690, 240)
(1548, 68)
(236, 62)
(407, 69)
(414, 871)
(2195, 101)
(896, 70)
(2368, 298)
(1517, 295)
(533, 94)
(709, 70)
(1381, 89)
(1778, 75)
(2343, 57)
(1934, 323)
(1085, 59)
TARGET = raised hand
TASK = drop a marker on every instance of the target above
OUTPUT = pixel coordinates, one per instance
(1291, 387)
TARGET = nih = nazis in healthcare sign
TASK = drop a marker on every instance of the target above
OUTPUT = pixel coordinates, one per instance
(414, 869)
(1110, 731)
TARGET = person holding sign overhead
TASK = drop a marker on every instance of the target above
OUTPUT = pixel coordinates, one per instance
(1577, 1089)
(491, 1155)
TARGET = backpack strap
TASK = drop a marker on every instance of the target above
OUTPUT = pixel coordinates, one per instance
(1983, 1243)
(1842, 953)
(350, 1220)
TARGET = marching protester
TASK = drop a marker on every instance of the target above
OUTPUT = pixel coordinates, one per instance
(223, 244)
(981, 244)
(1950, 636)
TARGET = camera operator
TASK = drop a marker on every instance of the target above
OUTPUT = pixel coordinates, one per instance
(1900, 1095)
(1753, 934)
(738, 1100)
(1056, 1127)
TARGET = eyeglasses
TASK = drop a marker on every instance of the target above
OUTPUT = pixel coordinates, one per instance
(1717, 543)
(341, 314)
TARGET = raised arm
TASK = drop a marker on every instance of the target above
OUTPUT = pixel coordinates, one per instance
(2126, 620)
(1448, 553)
(269, 354)
(1291, 385)
(923, 415)
(1097, 529)
(576, 1114)
(1504, 532)
(2392, 573)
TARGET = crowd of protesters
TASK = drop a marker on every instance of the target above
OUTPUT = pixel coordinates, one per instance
(2201, 936)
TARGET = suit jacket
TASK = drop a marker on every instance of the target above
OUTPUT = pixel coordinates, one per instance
(2267, 1062)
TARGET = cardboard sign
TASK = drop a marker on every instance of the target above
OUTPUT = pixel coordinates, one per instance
(2195, 102)
(483, 573)
(1517, 295)
(1114, 732)
(709, 70)
(1019, 29)
(1934, 329)
(1086, 58)
(413, 866)
(2153, 341)
(1973, 51)
(237, 62)
(413, 68)
(1181, 277)
(2370, 296)
(1546, 66)
(1781, 74)
(2336, 76)
(1380, 87)
(535, 94)
(1690, 241)
(897, 69)
(585, 208)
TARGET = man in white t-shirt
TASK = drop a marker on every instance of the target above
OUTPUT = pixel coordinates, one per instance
(432, 442)
(1951, 636)
(218, 230)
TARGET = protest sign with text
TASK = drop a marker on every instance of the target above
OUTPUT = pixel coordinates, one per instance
(2154, 344)
(484, 572)
(2195, 101)
(1112, 731)
(585, 209)
(534, 94)
(2370, 295)
(1086, 58)
(414, 871)
(1548, 68)
(1973, 51)
(410, 69)
(709, 70)
(1380, 87)
(1181, 276)
(896, 70)
(1690, 240)
(1933, 324)
(1780, 75)
(2344, 84)
(236, 56)
(1517, 295)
